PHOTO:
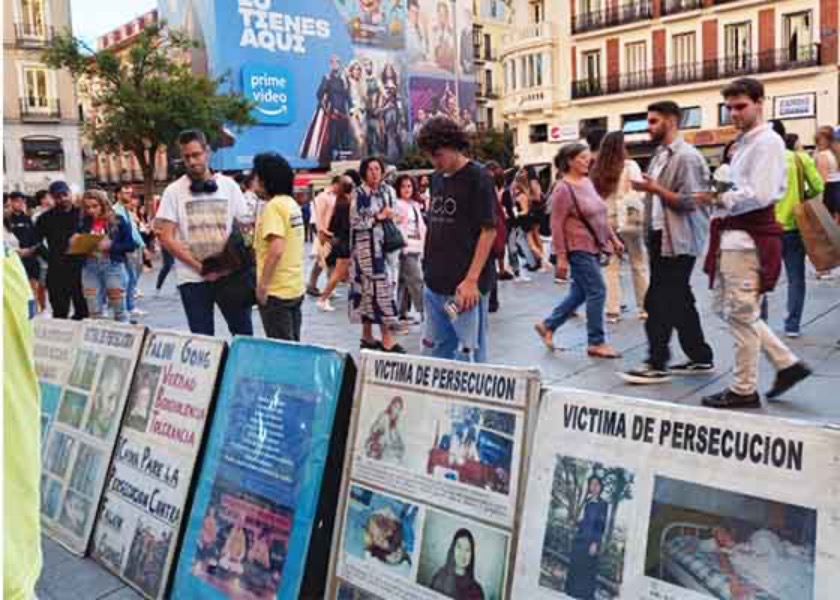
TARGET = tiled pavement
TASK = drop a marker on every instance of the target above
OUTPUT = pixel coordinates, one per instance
(514, 342)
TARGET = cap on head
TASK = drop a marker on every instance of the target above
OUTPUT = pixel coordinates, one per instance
(58, 187)
(17, 196)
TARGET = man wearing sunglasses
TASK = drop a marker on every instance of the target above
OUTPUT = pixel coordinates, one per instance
(745, 249)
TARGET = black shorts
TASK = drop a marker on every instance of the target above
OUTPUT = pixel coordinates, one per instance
(340, 250)
(32, 267)
(831, 197)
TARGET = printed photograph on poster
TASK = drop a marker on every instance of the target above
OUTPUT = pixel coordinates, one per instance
(103, 418)
(86, 470)
(378, 23)
(58, 454)
(142, 396)
(381, 530)
(75, 513)
(50, 398)
(109, 543)
(725, 544)
(84, 369)
(50, 496)
(586, 531)
(445, 440)
(461, 559)
(442, 39)
(466, 55)
(347, 591)
(466, 105)
(147, 554)
(243, 543)
(431, 97)
(72, 408)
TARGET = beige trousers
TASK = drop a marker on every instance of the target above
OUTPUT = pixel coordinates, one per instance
(738, 302)
(634, 245)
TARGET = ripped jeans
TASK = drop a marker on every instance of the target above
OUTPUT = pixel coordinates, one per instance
(464, 339)
(104, 284)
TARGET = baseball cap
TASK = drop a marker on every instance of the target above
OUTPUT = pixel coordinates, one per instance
(59, 187)
(16, 195)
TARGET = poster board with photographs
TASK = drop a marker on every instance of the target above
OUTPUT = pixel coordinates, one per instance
(55, 343)
(632, 499)
(264, 504)
(82, 437)
(433, 478)
(139, 522)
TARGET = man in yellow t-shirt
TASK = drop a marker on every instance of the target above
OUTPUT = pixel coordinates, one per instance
(278, 243)
(21, 437)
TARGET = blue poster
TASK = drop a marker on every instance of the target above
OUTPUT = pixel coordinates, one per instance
(330, 78)
(249, 528)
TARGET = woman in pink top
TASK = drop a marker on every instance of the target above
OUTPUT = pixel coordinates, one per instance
(580, 233)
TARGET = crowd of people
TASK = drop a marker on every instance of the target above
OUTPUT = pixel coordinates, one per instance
(430, 251)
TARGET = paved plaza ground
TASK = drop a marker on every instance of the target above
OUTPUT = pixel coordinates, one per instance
(513, 342)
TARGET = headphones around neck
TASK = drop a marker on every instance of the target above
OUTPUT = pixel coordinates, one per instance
(203, 186)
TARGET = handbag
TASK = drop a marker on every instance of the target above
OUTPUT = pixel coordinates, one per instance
(603, 254)
(392, 236)
(237, 289)
(820, 234)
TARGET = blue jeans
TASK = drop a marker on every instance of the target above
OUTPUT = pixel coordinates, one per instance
(464, 339)
(132, 271)
(793, 253)
(587, 286)
(103, 282)
(198, 300)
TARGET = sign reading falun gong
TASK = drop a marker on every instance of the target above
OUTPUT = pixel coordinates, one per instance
(140, 519)
(632, 499)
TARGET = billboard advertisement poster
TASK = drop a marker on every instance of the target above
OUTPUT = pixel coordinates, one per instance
(635, 499)
(329, 79)
(54, 347)
(436, 461)
(260, 483)
(81, 439)
(139, 522)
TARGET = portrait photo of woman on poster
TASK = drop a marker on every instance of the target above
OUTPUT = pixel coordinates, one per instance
(456, 579)
(586, 547)
(384, 441)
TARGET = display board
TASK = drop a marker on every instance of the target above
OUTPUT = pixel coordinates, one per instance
(139, 522)
(279, 424)
(433, 483)
(55, 342)
(631, 499)
(82, 437)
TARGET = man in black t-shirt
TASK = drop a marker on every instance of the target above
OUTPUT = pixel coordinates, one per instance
(461, 231)
(64, 272)
(20, 224)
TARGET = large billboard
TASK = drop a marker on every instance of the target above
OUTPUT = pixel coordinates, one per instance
(334, 79)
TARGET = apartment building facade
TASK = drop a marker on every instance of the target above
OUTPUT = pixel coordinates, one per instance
(41, 134)
(491, 19)
(574, 65)
(109, 169)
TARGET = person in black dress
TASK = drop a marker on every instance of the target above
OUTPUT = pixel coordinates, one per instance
(339, 238)
(586, 546)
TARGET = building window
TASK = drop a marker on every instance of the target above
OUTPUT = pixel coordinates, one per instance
(489, 121)
(488, 48)
(537, 11)
(538, 68)
(591, 66)
(587, 126)
(532, 78)
(635, 65)
(32, 17)
(685, 57)
(35, 88)
(738, 46)
(797, 32)
(488, 82)
(42, 154)
(538, 133)
(691, 118)
(513, 74)
(723, 115)
(634, 123)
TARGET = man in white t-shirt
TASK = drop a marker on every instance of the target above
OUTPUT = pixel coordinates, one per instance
(195, 219)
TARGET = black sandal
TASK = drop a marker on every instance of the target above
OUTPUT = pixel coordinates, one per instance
(395, 349)
(370, 345)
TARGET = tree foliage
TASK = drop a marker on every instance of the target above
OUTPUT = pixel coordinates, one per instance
(145, 97)
(494, 144)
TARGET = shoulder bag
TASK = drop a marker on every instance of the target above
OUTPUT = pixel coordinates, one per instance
(603, 254)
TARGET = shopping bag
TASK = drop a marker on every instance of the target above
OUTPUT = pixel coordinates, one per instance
(820, 234)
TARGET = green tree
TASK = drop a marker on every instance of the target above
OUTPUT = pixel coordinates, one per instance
(145, 97)
(413, 158)
(494, 144)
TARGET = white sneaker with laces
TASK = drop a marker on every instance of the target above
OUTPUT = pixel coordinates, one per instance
(324, 305)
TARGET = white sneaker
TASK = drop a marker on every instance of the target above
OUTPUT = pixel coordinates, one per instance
(138, 294)
(522, 279)
(324, 305)
(561, 281)
(138, 313)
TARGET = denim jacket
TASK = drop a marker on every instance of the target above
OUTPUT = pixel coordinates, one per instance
(121, 240)
(687, 226)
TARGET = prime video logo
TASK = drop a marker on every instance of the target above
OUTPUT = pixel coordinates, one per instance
(270, 88)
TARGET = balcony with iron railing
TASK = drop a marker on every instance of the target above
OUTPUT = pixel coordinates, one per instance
(30, 34)
(485, 92)
(769, 61)
(483, 54)
(673, 7)
(612, 16)
(37, 108)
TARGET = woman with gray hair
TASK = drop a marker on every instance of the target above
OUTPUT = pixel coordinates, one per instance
(581, 237)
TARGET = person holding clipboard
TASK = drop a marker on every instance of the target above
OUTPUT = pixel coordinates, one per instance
(104, 239)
